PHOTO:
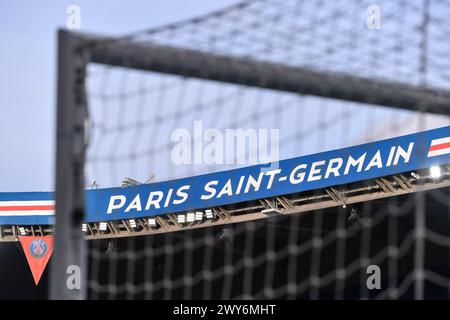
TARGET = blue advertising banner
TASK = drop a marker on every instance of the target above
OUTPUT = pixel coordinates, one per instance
(316, 171)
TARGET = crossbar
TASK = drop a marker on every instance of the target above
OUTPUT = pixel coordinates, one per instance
(128, 53)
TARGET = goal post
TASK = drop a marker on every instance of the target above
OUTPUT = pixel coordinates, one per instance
(70, 154)
(124, 52)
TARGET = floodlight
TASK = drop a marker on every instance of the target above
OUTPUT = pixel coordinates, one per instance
(435, 172)
(415, 175)
(128, 182)
(209, 214)
(152, 222)
(198, 216)
(181, 218)
(103, 226)
(132, 223)
(190, 217)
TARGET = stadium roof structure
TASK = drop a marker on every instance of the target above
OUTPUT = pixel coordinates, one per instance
(387, 168)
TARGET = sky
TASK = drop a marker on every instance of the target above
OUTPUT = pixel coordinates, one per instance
(28, 83)
(27, 77)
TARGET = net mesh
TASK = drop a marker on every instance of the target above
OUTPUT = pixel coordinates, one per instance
(323, 254)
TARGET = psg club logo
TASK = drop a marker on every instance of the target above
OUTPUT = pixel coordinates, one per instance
(38, 248)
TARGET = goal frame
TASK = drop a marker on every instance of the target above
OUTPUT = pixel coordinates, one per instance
(77, 50)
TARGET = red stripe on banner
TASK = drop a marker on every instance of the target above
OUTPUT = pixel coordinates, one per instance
(26, 208)
(440, 146)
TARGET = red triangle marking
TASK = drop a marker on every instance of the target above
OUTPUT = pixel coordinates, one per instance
(38, 251)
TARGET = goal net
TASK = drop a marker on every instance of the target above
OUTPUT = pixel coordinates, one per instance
(259, 82)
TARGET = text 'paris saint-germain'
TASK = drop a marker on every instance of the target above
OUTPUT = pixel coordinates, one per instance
(291, 175)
